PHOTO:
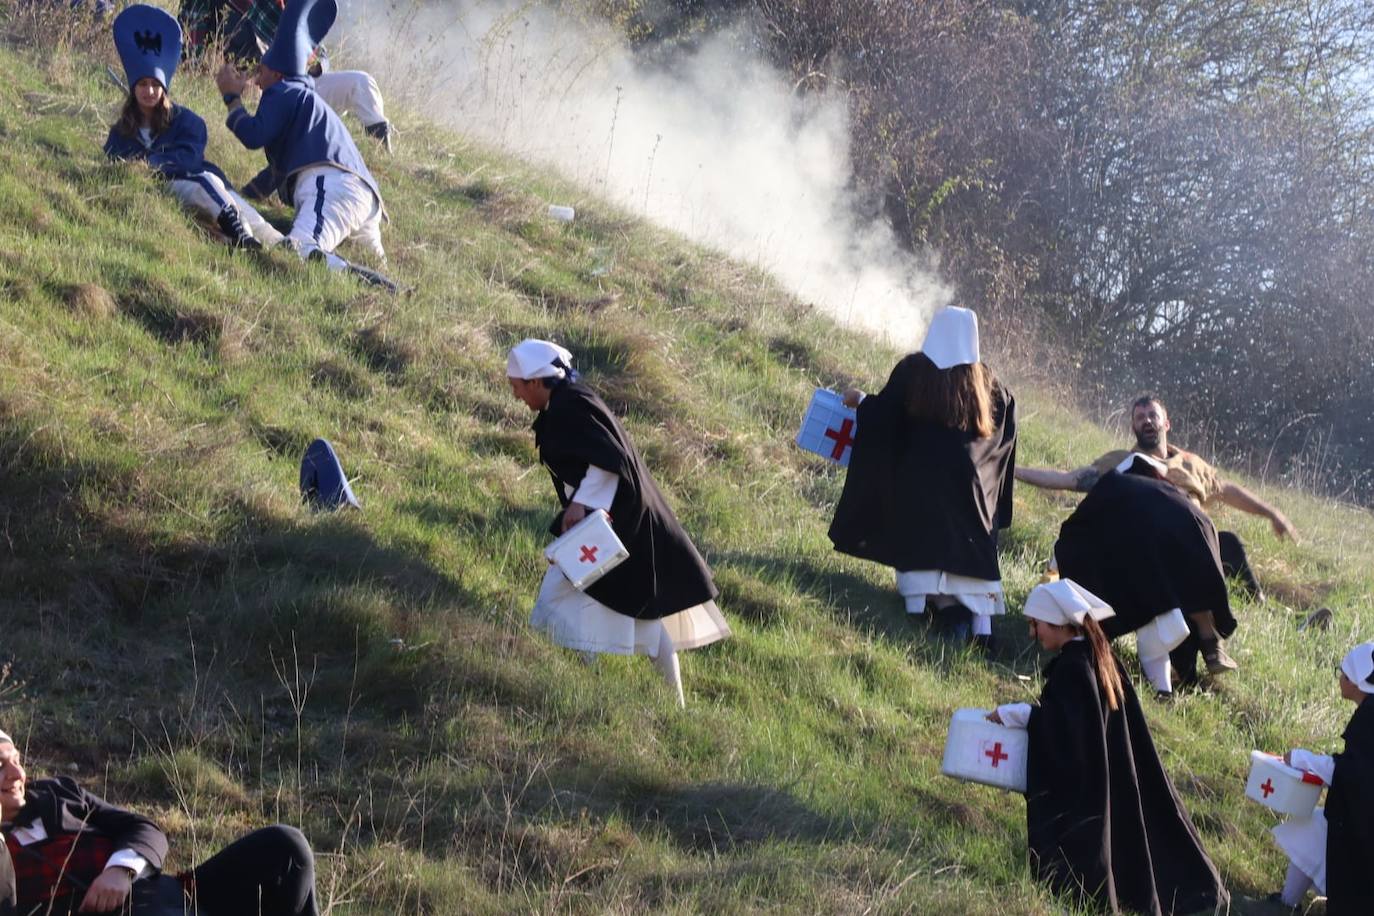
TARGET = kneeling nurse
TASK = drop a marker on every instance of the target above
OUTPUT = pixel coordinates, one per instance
(1104, 824)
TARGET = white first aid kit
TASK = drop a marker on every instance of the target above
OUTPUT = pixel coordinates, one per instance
(1286, 789)
(828, 428)
(981, 751)
(587, 550)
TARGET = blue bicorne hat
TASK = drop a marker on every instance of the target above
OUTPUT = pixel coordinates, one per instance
(303, 25)
(149, 43)
(324, 486)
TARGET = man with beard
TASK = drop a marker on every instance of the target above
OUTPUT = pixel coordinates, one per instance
(1200, 482)
(1151, 553)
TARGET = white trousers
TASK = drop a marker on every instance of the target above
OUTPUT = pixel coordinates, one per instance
(332, 207)
(981, 596)
(206, 193)
(1158, 672)
(1303, 840)
(352, 90)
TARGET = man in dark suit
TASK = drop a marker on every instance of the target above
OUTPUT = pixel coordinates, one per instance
(68, 851)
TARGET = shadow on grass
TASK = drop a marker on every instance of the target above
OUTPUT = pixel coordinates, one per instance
(719, 817)
(749, 581)
(501, 520)
(96, 535)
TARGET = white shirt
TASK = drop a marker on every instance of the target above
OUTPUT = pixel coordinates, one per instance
(1322, 765)
(597, 489)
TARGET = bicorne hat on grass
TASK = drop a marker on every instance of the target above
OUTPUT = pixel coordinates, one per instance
(324, 486)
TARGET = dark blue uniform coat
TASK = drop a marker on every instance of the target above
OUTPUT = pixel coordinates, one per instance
(297, 131)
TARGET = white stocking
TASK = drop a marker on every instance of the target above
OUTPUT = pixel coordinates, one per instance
(1295, 886)
(1157, 672)
(667, 665)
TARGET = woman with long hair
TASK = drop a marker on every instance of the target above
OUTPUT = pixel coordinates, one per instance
(930, 475)
(170, 138)
(1103, 822)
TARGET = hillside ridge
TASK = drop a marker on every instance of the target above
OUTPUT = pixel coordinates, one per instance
(187, 637)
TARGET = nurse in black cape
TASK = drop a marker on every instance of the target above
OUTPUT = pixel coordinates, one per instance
(930, 475)
(661, 599)
(1104, 824)
(1333, 851)
(1150, 552)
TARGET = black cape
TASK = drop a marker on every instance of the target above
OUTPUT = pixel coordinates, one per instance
(664, 573)
(1350, 820)
(919, 495)
(1103, 821)
(1144, 548)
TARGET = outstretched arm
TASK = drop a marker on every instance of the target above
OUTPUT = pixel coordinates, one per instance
(1237, 497)
(1081, 479)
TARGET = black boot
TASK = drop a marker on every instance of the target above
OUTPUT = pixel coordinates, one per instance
(234, 231)
(367, 275)
(381, 132)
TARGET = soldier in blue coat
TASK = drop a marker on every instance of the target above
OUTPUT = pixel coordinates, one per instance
(170, 138)
(312, 162)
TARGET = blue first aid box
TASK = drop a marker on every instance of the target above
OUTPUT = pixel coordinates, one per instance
(829, 428)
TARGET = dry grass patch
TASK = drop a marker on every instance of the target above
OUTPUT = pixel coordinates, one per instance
(90, 300)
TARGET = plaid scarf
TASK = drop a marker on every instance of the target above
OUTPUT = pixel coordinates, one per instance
(59, 869)
(203, 20)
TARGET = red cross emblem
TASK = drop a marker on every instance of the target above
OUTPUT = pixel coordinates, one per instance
(588, 554)
(844, 438)
(996, 754)
(1267, 788)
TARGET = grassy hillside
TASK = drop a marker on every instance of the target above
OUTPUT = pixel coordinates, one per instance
(184, 636)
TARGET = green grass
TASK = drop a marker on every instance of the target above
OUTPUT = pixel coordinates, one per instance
(187, 638)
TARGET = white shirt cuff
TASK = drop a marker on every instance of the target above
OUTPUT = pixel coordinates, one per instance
(127, 858)
(1015, 715)
(597, 490)
(1322, 765)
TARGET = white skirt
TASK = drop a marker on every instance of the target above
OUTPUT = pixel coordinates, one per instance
(1304, 842)
(575, 620)
(981, 596)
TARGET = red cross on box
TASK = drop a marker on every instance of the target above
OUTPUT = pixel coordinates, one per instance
(996, 754)
(588, 554)
(843, 438)
(1267, 788)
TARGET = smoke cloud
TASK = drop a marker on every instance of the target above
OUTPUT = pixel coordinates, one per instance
(713, 142)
